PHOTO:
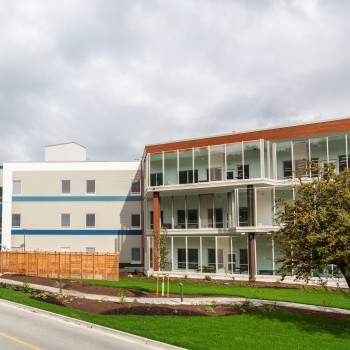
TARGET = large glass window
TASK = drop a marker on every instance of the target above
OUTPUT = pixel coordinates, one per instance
(170, 168)
(135, 221)
(264, 207)
(220, 210)
(135, 186)
(156, 171)
(301, 158)
(234, 160)
(318, 150)
(186, 168)
(180, 212)
(252, 162)
(217, 163)
(284, 160)
(337, 151)
(201, 164)
(192, 211)
(179, 253)
(166, 208)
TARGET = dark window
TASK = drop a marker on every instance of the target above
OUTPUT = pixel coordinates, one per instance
(181, 258)
(135, 220)
(157, 179)
(65, 220)
(243, 171)
(90, 220)
(186, 176)
(342, 163)
(211, 257)
(219, 218)
(16, 220)
(193, 259)
(192, 218)
(181, 219)
(243, 216)
(90, 186)
(136, 254)
(151, 219)
(243, 259)
(65, 186)
(136, 187)
(287, 169)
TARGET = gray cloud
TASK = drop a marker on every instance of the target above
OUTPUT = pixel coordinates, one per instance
(116, 75)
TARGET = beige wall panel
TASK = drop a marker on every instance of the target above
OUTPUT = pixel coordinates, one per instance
(47, 215)
(1, 177)
(48, 183)
(80, 243)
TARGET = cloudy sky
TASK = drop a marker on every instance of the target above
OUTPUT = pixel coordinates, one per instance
(114, 75)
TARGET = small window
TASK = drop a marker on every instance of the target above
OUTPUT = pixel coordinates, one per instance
(135, 255)
(135, 220)
(17, 188)
(65, 186)
(90, 220)
(135, 187)
(90, 249)
(65, 250)
(65, 220)
(16, 220)
(90, 186)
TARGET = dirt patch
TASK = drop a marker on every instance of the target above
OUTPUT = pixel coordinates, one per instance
(105, 307)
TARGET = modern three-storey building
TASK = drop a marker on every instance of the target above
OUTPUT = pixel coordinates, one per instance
(217, 196)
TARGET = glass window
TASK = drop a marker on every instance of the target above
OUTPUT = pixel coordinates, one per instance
(186, 168)
(179, 212)
(264, 206)
(17, 188)
(16, 220)
(284, 160)
(135, 220)
(166, 205)
(0, 194)
(242, 207)
(65, 186)
(318, 150)
(201, 166)
(90, 249)
(136, 187)
(337, 151)
(251, 160)
(301, 158)
(170, 168)
(192, 211)
(90, 186)
(65, 220)
(220, 210)
(156, 171)
(217, 163)
(135, 255)
(90, 220)
(233, 160)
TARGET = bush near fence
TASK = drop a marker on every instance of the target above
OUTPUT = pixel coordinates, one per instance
(99, 266)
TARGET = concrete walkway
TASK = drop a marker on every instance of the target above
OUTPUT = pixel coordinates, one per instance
(186, 300)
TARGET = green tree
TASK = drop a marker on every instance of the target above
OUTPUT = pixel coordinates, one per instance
(315, 227)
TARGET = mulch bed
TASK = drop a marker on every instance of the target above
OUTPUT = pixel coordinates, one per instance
(105, 307)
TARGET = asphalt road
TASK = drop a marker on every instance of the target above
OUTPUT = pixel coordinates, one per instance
(22, 329)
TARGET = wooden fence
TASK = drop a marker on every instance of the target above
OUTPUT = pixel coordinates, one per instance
(100, 266)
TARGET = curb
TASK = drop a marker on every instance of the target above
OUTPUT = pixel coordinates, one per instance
(152, 344)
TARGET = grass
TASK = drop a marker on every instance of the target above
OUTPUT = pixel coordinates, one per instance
(263, 330)
(320, 297)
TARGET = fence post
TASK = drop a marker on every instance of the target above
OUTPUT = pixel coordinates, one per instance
(81, 266)
(93, 266)
(27, 263)
(106, 266)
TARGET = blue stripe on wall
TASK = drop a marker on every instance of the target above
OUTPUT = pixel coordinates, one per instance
(78, 232)
(76, 198)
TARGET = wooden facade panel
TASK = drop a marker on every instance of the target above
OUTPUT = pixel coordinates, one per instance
(289, 132)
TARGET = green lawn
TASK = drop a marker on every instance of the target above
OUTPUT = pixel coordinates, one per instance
(264, 330)
(321, 297)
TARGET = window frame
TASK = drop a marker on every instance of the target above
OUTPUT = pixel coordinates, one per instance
(139, 220)
(86, 221)
(12, 220)
(134, 261)
(65, 227)
(133, 193)
(90, 193)
(62, 184)
(20, 187)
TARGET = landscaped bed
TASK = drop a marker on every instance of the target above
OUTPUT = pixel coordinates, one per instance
(102, 306)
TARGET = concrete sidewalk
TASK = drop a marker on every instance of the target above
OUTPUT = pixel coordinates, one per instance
(187, 300)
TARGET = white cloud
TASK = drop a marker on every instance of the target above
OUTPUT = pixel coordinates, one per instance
(115, 75)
